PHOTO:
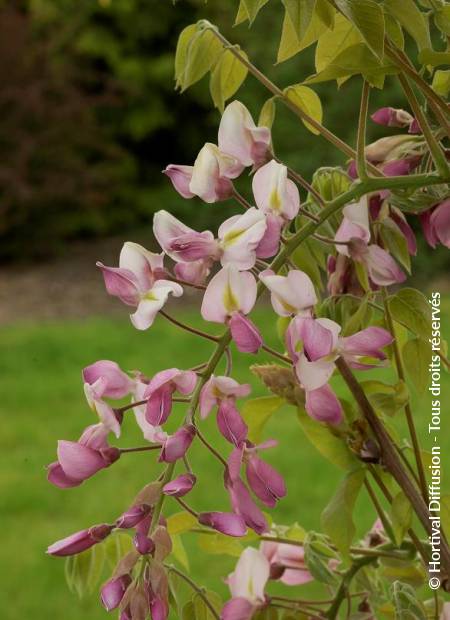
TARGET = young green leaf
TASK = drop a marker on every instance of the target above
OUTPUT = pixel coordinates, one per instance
(434, 59)
(267, 114)
(441, 83)
(180, 522)
(385, 398)
(184, 41)
(201, 610)
(179, 551)
(325, 12)
(289, 45)
(83, 571)
(337, 518)
(416, 355)
(201, 53)
(227, 77)
(257, 412)
(219, 544)
(334, 41)
(401, 516)
(412, 20)
(253, 7)
(300, 13)
(407, 606)
(410, 307)
(367, 16)
(395, 242)
(308, 101)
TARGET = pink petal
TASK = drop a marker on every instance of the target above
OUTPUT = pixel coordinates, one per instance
(245, 334)
(113, 590)
(383, 270)
(230, 423)
(120, 283)
(146, 266)
(181, 177)
(246, 507)
(56, 475)
(265, 482)
(228, 291)
(440, 222)
(195, 272)
(367, 342)
(323, 405)
(80, 541)
(77, 461)
(289, 294)
(239, 237)
(274, 193)
(211, 174)
(270, 243)
(176, 445)
(180, 486)
(237, 609)
(118, 384)
(226, 522)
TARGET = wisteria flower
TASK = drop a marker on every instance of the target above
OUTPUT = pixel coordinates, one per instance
(212, 174)
(80, 541)
(239, 237)
(218, 389)
(436, 224)
(79, 460)
(241, 138)
(392, 117)
(247, 584)
(138, 281)
(152, 433)
(287, 562)
(292, 294)
(229, 297)
(160, 390)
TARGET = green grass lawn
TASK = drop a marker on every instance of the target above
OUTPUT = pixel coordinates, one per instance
(42, 400)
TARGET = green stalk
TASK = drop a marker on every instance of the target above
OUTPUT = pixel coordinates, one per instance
(361, 163)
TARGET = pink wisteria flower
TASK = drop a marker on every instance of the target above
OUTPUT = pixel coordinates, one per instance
(139, 282)
(381, 210)
(159, 392)
(247, 584)
(239, 238)
(113, 591)
(240, 137)
(105, 379)
(278, 198)
(176, 445)
(314, 345)
(353, 236)
(150, 432)
(79, 460)
(287, 563)
(436, 224)
(293, 294)
(180, 486)
(218, 389)
(229, 297)
(80, 541)
(392, 117)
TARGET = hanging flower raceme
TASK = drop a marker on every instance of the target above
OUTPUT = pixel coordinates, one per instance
(292, 294)
(353, 237)
(314, 345)
(160, 390)
(241, 138)
(229, 297)
(79, 460)
(247, 584)
(287, 563)
(278, 198)
(139, 282)
(436, 224)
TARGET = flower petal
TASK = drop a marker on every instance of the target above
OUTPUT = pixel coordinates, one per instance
(323, 405)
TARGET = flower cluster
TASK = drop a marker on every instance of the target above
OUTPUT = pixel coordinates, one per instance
(230, 270)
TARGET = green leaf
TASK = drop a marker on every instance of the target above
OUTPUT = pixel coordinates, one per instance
(180, 522)
(302, 259)
(188, 612)
(317, 558)
(401, 516)
(300, 13)
(226, 78)
(201, 53)
(253, 7)
(179, 551)
(330, 183)
(201, 610)
(257, 412)
(323, 438)
(116, 546)
(219, 544)
(395, 242)
(434, 59)
(386, 399)
(337, 518)
(325, 12)
(184, 40)
(416, 355)
(267, 114)
(411, 19)
(407, 606)
(353, 60)
(308, 101)
(394, 31)
(368, 18)
(359, 319)
(333, 42)
(410, 307)
(289, 44)
(243, 15)
(442, 19)
(441, 83)
(83, 571)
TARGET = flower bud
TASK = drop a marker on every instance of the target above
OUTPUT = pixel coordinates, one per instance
(180, 486)
(133, 516)
(245, 334)
(80, 541)
(392, 117)
(227, 523)
(176, 445)
(181, 177)
(113, 590)
(143, 544)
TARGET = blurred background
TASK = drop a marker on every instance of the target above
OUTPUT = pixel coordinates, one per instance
(88, 119)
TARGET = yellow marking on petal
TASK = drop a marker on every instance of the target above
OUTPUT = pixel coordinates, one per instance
(275, 201)
(229, 300)
(232, 236)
